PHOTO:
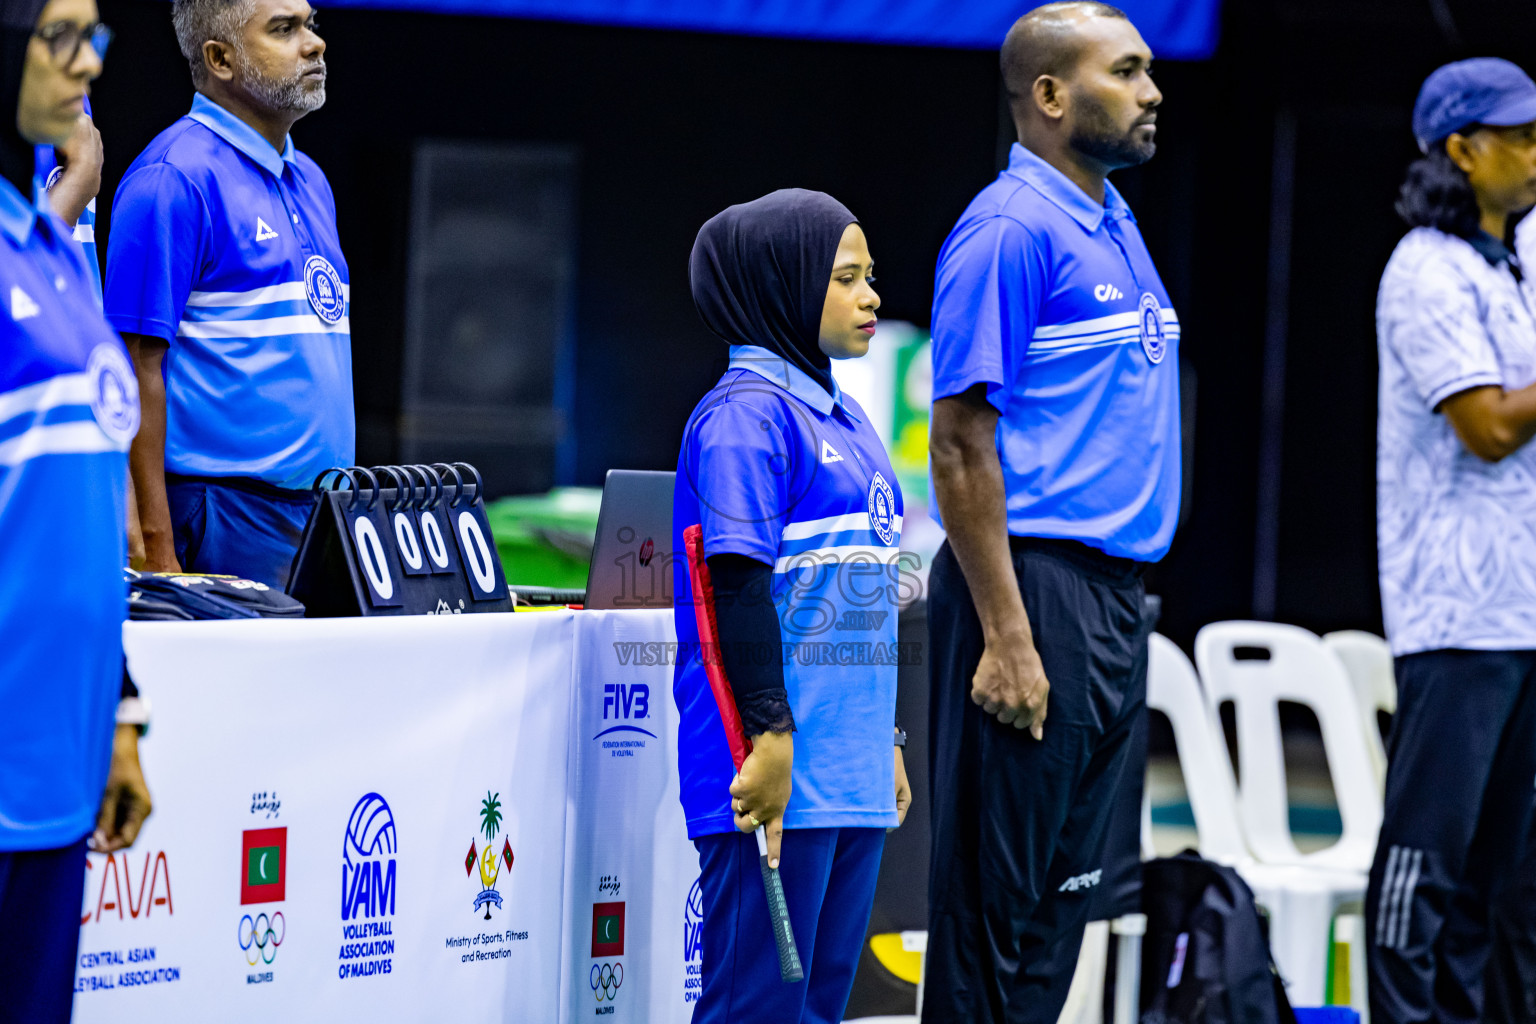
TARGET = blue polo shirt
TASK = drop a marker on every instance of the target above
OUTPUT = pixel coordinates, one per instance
(1051, 301)
(68, 411)
(777, 469)
(228, 250)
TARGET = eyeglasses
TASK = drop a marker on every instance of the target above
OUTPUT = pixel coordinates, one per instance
(65, 37)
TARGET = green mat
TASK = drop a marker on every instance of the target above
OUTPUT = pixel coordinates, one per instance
(545, 540)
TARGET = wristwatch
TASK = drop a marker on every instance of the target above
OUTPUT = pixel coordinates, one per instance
(901, 737)
(134, 711)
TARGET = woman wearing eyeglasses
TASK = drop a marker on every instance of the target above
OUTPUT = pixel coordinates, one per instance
(68, 410)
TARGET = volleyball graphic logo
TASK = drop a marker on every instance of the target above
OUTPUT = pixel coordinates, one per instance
(368, 860)
(370, 830)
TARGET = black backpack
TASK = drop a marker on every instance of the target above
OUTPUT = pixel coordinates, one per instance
(1205, 958)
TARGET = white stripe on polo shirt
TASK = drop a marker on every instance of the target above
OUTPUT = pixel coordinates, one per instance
(1082, 330)
(79, 438)
(1078, 328)
(273, 327)
(832, 524)
(1099, 325)
(817, 558)
(65, 389)
(293, 291)
(1119, 329)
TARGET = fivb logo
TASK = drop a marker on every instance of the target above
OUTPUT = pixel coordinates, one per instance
(368, 861)
(622, 703)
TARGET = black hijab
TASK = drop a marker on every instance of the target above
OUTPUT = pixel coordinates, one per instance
(759, 273)
(18, 157)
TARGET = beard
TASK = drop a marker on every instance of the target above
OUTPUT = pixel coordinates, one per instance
(1098, 136)
(292, 93)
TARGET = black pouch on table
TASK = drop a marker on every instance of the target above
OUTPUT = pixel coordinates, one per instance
(169, 597)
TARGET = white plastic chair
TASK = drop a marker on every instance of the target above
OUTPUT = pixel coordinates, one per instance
(1301, 901)
(1368, 660)
(1085, 997)
(1174, 689)
(1298, 668)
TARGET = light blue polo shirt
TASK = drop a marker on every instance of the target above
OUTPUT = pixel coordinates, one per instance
(777, 469)
(68, 411)
(229, 250)
(1051, 301)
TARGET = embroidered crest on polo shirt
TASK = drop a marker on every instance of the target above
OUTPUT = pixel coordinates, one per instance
(882, 509)
(114, 392)
(323, 286)
(264, 232)
(828, 453)
(1153, 341)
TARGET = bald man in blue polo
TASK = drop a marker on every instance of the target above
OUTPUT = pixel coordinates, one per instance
(1055, 457)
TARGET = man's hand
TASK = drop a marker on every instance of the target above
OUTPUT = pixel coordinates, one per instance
(162, 560)
(968, 483)
(136, 554)
(146, 459)
(80, 159)
(761, 790)
(125, 803)
(1010, 683)
(903, 789)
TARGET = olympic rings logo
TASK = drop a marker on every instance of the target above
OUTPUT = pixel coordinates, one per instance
(605, 980)
(260, 936)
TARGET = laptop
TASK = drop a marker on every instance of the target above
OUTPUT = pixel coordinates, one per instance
(632, 556)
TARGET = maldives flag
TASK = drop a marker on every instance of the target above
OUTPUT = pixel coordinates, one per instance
(263, 865)
(608, 929)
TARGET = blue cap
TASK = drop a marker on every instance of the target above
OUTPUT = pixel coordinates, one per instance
(1483, 90)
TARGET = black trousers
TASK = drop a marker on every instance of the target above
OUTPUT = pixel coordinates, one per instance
(1461, 763)
(1511, 978)
(1018, 825)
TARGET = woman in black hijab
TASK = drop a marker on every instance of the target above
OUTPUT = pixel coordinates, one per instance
(66, 771)
(796, 503)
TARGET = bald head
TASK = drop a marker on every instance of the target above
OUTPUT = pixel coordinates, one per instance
(1048, 40)
(1079, 81)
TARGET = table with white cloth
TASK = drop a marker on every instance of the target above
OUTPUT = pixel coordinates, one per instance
(427, 818)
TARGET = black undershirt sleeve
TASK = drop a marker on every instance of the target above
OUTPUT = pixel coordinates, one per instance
(751, 644)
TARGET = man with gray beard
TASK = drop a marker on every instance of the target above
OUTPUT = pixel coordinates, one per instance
(225, 276)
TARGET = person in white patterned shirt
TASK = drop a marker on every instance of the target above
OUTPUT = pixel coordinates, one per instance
(1456, 531)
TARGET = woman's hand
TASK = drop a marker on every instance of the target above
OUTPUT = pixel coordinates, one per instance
(125, 803)
(760, 791)
(79, 159)
(903, 789)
